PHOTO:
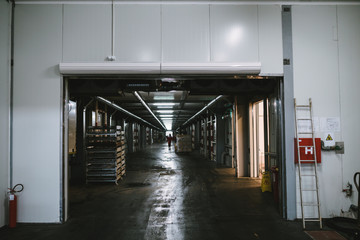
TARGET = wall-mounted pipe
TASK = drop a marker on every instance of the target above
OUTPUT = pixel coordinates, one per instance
(138, 96)
(112, 32)
(11, 92)
(113, 105)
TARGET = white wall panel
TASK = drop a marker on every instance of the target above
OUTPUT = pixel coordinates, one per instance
(37, 119)
(234, 33)
(270, 40)
(315, 58)
(4, 105)
(87, 33)
(137, 33)
(349, 62)
(185, 33)
(316, 76)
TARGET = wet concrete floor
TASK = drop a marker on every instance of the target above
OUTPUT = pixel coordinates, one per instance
(168, 196)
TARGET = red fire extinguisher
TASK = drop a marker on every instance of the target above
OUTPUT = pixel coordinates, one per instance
(13, 204)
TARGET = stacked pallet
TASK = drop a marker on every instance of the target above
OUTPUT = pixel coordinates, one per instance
(183, 143)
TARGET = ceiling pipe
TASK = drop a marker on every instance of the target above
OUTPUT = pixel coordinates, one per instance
(137, 95)
(117, 107)
(203, 109)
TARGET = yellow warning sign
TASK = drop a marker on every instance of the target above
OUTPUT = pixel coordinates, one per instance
(329, 138)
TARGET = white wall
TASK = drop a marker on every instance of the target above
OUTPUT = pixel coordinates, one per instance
(4, 106)
(87, 33)
(326, 60)
(141, 42)
(270, 40)
(185, 39)
(175, 33)
(349, 72)
(37, 119)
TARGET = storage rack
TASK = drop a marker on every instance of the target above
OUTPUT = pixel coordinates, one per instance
(202, 137)
(148, 136)
(212, 137)
(155, 136)
(121, 151)
(193, 136)
(136, 137)
(105, 154)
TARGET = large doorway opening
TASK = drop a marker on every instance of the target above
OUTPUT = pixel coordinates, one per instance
(228, 122)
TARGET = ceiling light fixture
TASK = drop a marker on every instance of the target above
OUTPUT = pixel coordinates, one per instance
(165, 111)
(203, 109)
(137, 95)
(101, 99)
(164, 104)
(164, 97)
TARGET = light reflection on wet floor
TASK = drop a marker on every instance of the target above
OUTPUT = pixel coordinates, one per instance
(166, 220)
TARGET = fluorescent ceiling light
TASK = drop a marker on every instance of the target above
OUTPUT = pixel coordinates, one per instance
(123, 110)
(165, 107)
(164, 119)
(164, 104)
(164, 97)
(168, 79)
(161, 116)
(147, 107)
(165, 111)
(203, 109)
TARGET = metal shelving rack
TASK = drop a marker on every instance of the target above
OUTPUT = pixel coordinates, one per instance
(193, 136)
(212, 137)
(149, 139)
(105, 154)
(155, 136)
(136, 137)
(203, 137)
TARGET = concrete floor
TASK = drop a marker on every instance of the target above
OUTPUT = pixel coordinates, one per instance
(168, 196)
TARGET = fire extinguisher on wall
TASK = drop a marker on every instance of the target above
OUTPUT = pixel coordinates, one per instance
(13, 204)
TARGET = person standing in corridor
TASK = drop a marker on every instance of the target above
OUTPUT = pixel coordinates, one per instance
(169, 139)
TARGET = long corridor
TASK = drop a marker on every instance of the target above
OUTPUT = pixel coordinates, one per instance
(166, 195)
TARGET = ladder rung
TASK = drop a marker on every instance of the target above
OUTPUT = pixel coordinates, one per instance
(305, 133)
(304, 119)
(305, 146)
(307, 161)
(308, 175)
(312, 220)
(302, 106)
(310, 204)
(309, 190)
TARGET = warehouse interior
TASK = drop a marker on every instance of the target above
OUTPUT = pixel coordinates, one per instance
(201, 111)
(223, 119)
